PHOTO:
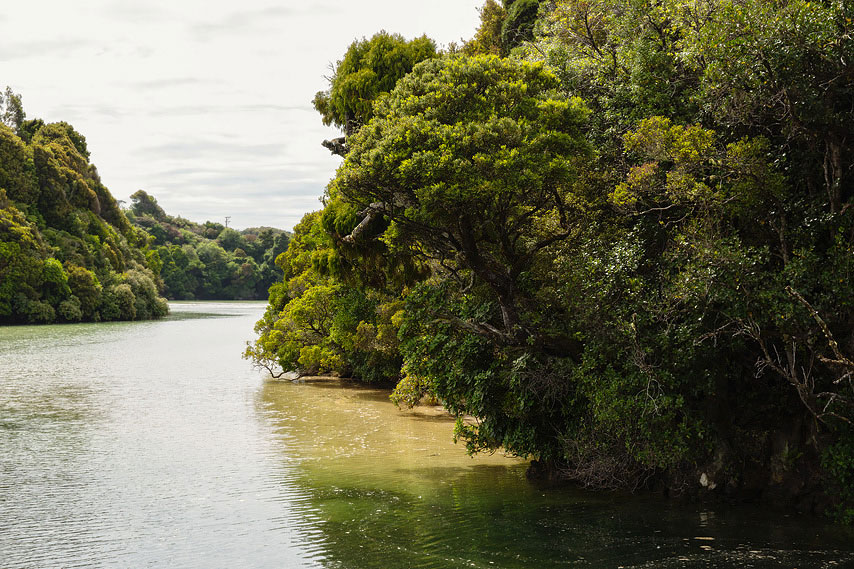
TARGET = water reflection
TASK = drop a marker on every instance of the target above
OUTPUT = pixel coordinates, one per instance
(387, 489)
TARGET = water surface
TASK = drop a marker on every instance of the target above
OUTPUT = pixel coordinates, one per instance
(153, 444)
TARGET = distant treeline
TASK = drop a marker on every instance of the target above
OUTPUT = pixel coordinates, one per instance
(619, 233)
(208, 261)
(70, 253)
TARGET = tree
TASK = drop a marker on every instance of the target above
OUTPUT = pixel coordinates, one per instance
(230, 239)
(474, 163)
(60, 259)
(11, 110)
(731, 190)
(487, 39)
(674, 307)
(368, 69)
(86, 288)
(22, 251)
(295, 333)
(473, 168)
(144, 204)
(624, 58)
(315, 323)
(216, 271)
(518, 25)
(784, 69)
(63, 133)
(17, 175)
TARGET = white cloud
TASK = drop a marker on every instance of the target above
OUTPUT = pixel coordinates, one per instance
(53, 48)
(239, 24)
(206, 104)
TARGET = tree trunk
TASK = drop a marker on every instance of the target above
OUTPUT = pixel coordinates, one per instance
(499, 281)
(833, 171)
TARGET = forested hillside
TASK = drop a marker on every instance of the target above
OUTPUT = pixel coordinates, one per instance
(67, 252)
(209, 261)
(619, 233)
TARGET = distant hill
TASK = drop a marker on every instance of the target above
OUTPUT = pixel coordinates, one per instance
(209, 260)
(67, 251)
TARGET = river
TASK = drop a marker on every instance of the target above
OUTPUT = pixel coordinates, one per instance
(153, 444)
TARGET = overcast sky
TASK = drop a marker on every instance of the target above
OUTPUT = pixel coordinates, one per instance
(204, 104)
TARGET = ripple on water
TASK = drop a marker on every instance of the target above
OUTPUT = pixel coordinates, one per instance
(154, 445)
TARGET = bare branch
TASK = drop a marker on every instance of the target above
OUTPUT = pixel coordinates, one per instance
(834, 346)
(337, 146)
(371, 213)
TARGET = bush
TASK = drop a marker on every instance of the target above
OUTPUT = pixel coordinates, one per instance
(411, 390)
(119, 303)
(838, 461)
(70, 311)
(86, 288)
(39, 312)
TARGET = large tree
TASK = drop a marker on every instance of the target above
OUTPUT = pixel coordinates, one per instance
(474, 164)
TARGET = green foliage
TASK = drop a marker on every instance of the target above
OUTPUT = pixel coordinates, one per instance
(38, 312)
(781, 68)
(518, 24)
(60, 259)
(764, 61)
(411, 390)
(11, 110)
(623, 58)
(144, 204)
(369, 68)
(487, 39)
(85, 287)
(473, 163)
(119, 303)
(17, 169)
(62, 133)
(70, 310)
(316, 324)
(147, 303)
(628, 255)
(838, 462)
(29, 129)
(207, 261)
(54, 281)
(229, 239)
(472, 376)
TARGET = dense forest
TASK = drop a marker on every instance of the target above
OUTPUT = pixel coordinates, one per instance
(617, 233)
(67, 251)
(208, 261)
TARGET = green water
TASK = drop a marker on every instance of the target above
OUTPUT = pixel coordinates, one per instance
(153, 444)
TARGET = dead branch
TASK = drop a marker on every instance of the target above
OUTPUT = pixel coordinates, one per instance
(337, 146)
(823, 406)
(831, 341)
(371, 213)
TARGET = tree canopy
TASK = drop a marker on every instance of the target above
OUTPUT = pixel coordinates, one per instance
(474, 162)
(368, 69)
(11, 110)
(208, 261)
(626, 248)
(67, 252)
